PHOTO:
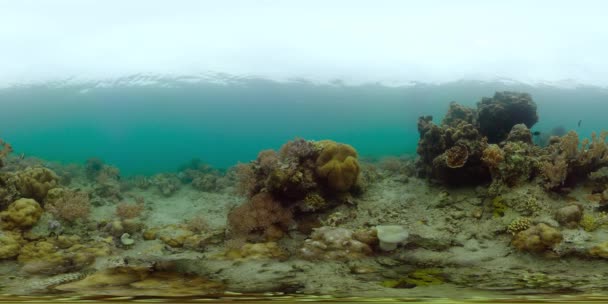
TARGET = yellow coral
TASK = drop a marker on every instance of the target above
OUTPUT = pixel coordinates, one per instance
(60, 255)
(9, 244)
(36, 182)
(23, 213)
(338, 164)
(591, 223)
(269, 250)
(600, 250)
(174, 236)
(519, 224)
(499, 207)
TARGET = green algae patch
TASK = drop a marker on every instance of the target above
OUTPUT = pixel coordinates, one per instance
(499, 207)
(420, 277)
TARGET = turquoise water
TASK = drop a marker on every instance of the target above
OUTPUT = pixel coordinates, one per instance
(154, 128)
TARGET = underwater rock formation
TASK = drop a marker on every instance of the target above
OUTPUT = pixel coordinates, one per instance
(496, 116)
(455, 152)
(451, 154)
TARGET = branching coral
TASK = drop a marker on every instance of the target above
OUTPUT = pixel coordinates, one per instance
(129, 211)
(591, 222)
(245, 177)
(68, 205)
(567, 163)
(554, 172)
(519, 224)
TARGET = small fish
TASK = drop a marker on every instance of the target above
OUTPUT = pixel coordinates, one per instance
(536, 133)
(579, 123)
(21, 156)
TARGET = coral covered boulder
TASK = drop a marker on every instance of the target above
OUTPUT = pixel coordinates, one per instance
(337, 164)
(497, 115)
(331, 243)
(23, 213)
(537, 239)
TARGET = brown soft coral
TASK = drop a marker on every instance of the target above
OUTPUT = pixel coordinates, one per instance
(262, 214)
(36, 182)
(331, 243)
(338, 165)
(5, 150)
(23, 213)
(537, 239)
(493, 155)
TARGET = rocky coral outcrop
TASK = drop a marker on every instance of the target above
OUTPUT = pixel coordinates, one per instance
(497, 115)
(331, 243)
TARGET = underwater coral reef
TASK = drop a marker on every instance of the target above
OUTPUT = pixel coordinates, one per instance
(481, 207)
